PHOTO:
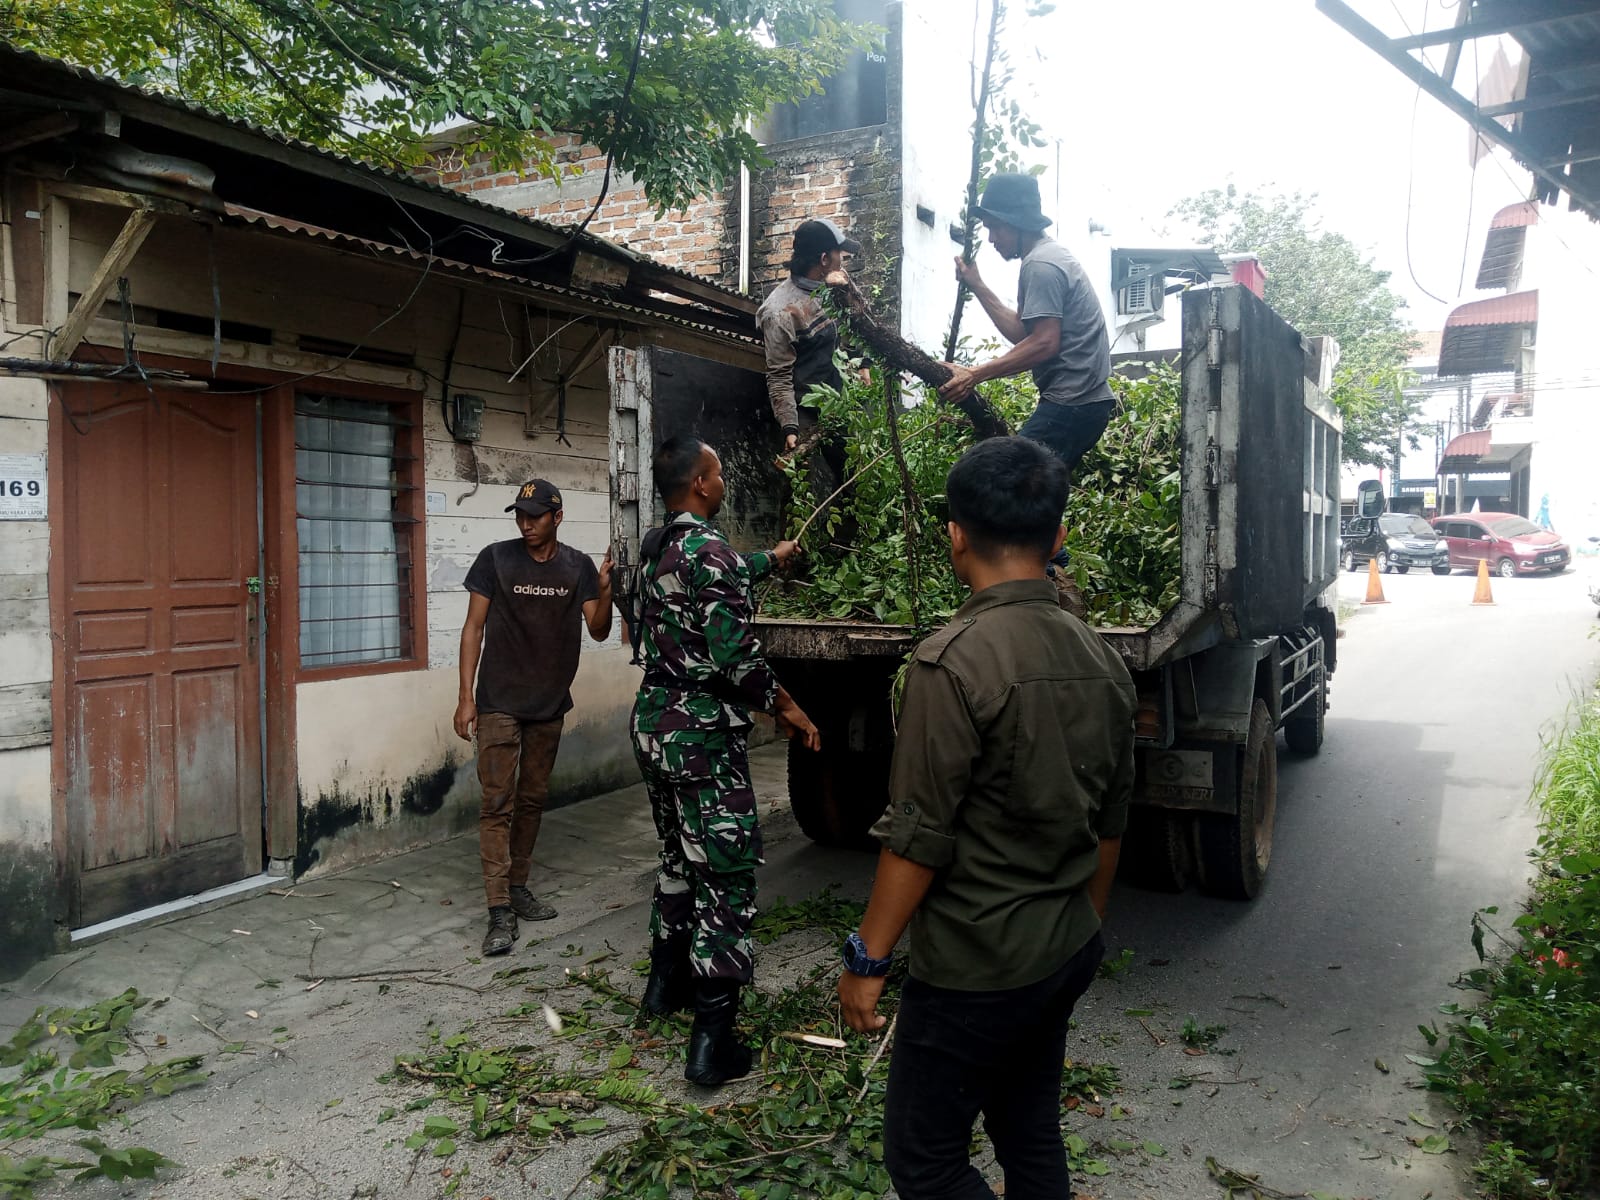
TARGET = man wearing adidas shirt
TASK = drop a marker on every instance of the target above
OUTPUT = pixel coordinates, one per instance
(531, 597)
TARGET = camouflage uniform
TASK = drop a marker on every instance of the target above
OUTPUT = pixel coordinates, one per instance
(704, 672)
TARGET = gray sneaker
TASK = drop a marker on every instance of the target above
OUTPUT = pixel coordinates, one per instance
(502, 930)
(529, 909)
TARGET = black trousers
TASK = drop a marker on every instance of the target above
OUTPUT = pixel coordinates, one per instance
(958, 1054)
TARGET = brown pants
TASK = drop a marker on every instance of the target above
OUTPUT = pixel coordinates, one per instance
(514, 763)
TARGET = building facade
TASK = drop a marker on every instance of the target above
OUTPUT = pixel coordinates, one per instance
(252, 435)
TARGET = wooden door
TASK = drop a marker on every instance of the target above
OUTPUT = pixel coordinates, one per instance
(161, 689)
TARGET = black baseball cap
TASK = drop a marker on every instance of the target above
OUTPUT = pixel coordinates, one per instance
(536, 497)
(818, 236)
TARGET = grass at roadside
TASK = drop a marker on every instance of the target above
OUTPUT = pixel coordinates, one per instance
(1524, 1065)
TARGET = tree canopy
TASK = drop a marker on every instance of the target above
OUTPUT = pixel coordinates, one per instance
(1322, 284)
(376, 78)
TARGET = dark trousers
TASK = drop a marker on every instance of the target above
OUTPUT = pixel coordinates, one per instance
(515, 759)
(829, 469)
(958, 1054)
(1071, 431)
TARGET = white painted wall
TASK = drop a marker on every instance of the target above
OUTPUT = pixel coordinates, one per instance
(1563, 258)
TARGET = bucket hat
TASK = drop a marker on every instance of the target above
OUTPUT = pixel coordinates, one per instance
(1013, 200)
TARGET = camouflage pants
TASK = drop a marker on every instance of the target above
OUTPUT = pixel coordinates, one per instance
(705, 814)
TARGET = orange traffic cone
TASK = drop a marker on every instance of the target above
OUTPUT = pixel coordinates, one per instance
(1481, 594)
(1374, 584)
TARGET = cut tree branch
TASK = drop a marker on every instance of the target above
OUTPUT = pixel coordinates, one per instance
(901, 355)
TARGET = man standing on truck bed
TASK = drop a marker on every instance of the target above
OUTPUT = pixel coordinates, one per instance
(530, 596)
(800, 339)
(703, 673)
(1012, 775)
(1057, 329)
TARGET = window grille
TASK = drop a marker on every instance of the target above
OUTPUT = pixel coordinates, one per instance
(356, 558)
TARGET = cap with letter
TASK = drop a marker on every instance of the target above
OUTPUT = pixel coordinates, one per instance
(818, 236)
(536, 497)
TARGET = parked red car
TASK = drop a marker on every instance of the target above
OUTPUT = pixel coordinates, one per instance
(1510, 544)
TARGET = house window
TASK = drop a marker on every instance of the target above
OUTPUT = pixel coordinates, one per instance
(357, 575)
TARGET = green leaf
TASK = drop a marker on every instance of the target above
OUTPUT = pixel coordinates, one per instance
(439, 1126)
(444, 1148)
(1434, 1143)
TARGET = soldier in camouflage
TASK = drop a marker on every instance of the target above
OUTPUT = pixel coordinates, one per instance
(704, 672)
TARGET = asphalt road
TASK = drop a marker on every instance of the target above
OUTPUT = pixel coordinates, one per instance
(1414, 815)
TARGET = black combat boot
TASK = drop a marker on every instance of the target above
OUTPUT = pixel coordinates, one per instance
(715, 1054)
(671, 986)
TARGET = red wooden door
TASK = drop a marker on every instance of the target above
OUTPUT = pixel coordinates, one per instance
(162, 693)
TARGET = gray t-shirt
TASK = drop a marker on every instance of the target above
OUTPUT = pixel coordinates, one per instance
(1054, 284)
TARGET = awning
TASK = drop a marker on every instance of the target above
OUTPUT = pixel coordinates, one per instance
(1554, 124)
(1477, 453)
(1488, 335)
(1503, 248)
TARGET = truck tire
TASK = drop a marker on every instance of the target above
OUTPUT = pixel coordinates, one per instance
(1303, 730)
(1235, 851)
(1157, 850)
(838, 794)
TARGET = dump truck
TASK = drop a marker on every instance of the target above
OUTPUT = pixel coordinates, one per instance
(1247, 650)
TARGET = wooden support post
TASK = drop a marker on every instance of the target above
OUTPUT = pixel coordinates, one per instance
(57, 254)
(127, 243)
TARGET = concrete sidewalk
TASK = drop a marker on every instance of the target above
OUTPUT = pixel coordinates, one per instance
(291, 1108)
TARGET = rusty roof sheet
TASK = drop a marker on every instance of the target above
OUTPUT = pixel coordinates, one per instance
(1519, 308)
(1516, 216)
(568, 296)
(1465, 451)
(13, 58)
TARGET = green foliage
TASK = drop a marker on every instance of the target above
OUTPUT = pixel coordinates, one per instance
(1199, 1036)
(376, 78)
(808, 1123)
(1524, 1065)
(1122, 518)
(1321, 283)
(47, 1095)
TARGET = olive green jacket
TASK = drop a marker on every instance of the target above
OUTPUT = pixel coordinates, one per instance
(1013, 759)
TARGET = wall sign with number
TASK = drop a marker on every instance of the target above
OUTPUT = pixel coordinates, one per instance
(22, 488)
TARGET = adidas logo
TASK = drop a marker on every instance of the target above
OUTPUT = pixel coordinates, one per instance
(534, 589)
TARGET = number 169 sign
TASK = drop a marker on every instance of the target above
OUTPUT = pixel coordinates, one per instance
(22, 488)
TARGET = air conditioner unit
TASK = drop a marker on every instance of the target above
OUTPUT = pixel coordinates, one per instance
(1142, 297)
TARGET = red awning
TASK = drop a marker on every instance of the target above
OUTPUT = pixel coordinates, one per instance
(1465, 451)
(1487, 336)
(1516, 216)
(1519, 308)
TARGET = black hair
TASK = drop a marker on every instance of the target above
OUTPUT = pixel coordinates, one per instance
(1008, 493)
(674, 466)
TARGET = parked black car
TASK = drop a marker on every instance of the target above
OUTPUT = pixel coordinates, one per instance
(1398, 541)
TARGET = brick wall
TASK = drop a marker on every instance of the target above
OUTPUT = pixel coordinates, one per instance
(852, 177)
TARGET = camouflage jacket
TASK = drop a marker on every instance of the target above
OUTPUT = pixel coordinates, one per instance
(703, 666)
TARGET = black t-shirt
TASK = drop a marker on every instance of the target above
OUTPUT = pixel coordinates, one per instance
(530, 641)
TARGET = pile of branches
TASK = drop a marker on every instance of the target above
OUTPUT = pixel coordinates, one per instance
(880, 553)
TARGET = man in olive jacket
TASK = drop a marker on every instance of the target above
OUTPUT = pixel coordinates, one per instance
(1013, 770)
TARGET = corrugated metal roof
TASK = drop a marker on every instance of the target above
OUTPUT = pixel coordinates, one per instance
(1468, 445)
(1465, 451)
(12, 54)
(582, 299)
(1516, 216)
(1519, 308)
